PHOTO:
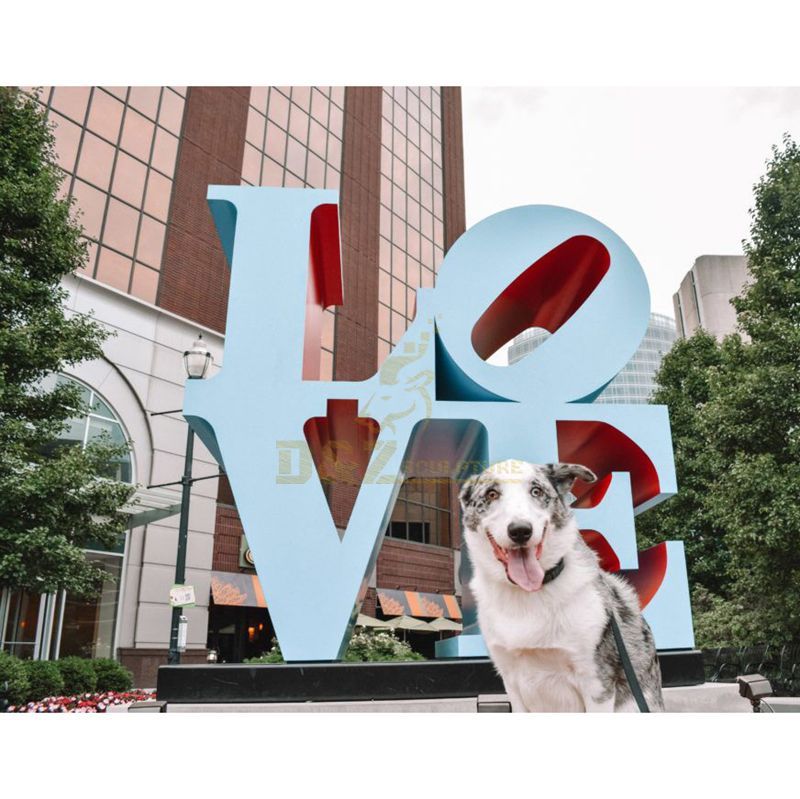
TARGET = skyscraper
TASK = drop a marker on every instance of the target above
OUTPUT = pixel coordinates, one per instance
(137, 161)
(636, 382)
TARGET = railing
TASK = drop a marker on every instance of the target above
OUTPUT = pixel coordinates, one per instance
(779, 663)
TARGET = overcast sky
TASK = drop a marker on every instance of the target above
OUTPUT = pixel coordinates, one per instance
(670, 170)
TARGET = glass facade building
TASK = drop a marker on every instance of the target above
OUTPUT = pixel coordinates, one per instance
(412, 208)
(294, 139)
(137, 163)
(118, 147)
(636, 382)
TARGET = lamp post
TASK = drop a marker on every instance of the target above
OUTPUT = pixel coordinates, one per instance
(196, 361)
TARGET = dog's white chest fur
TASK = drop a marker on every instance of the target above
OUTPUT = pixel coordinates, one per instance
(543, 644)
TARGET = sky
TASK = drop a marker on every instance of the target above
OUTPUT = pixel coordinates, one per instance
(671, 170)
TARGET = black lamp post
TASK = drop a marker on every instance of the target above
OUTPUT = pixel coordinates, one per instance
(197, 361)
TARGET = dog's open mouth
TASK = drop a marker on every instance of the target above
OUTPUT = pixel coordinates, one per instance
(521, 563)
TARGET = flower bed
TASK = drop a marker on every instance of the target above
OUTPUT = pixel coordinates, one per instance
(83, 703)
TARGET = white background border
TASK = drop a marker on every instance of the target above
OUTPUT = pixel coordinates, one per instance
(497, 43)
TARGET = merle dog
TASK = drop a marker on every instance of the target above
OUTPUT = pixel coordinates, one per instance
(544, 603)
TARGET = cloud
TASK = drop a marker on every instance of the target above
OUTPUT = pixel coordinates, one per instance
(785, 99)
(491, 104)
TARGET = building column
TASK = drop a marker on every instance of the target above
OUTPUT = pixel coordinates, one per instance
(453, 165)
(194, 275)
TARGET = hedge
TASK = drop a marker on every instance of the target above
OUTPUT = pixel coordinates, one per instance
(13, 672)
(33, 680)
(79, 676)
(111, 675)
(44, 678)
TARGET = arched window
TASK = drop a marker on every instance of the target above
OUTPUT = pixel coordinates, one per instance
(100, 420)
(44, 626)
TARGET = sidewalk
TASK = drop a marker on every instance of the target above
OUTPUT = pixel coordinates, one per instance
(707, 698)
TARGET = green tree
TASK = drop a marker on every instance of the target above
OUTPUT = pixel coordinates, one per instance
(735, 412)
(53, 500)
(684, 387)
(754, 414)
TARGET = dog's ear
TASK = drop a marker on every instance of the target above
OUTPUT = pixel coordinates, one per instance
(466, 491)
(564, 475)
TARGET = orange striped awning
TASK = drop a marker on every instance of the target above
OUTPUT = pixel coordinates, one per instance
(233, 588)
(415, 603)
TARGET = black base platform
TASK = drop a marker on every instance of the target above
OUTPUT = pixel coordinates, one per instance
(351, 682)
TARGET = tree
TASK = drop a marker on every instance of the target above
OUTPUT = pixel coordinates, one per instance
(684, 387)
(754, 413)
(735, 411)
(53, 500)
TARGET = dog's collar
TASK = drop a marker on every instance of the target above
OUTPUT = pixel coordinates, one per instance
(551, 574)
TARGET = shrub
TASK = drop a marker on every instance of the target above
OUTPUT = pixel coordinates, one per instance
(273, 656)
(111, 675)
(79, 676)
(44, 678)
(13, 672)
(365, 646)
(723, 622)
(380, 646)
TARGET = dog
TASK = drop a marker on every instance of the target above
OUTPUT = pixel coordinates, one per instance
(544, 604)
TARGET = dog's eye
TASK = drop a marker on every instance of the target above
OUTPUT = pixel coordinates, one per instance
(537, 492)
(492, 495)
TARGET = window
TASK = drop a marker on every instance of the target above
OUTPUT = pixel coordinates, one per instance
(294, 138)
(119, 147)
(87, 626)
(412, 215)
(422, 511)
(100, 420)
(54, 625)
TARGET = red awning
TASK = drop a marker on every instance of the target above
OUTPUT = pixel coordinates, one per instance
(415, 603)
(233, 588)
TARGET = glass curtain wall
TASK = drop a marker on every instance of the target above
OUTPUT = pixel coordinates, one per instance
(635, 383)
(294, 139)
(118, 146)
(411, 251)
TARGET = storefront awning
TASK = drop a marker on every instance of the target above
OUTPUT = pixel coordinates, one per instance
(414, 603)
(368, 621)
(409, 623)
(232, 588)
(445, 625)
(152, 504)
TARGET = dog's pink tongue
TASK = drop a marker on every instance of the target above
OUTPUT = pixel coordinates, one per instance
(524, 569)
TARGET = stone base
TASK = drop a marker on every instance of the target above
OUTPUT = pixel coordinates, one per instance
(144, 663)
(223, 683)
(327, 682)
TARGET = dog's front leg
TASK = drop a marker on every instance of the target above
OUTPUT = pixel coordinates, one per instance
(597, 698)
(599, 705)
(514, 696)
(507, 666)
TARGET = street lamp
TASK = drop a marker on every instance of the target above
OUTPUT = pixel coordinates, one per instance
(197, 361)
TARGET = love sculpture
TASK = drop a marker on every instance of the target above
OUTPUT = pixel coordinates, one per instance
(280, 432)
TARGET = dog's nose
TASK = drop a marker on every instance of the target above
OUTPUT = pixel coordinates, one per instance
(520, 532)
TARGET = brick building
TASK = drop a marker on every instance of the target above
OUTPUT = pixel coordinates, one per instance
(138, 161)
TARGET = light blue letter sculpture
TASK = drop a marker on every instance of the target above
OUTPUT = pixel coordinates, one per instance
(529, 266)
